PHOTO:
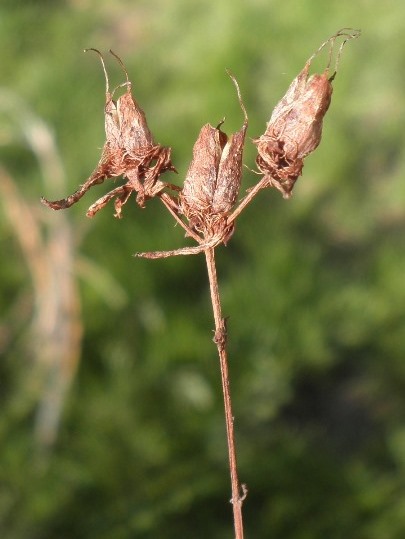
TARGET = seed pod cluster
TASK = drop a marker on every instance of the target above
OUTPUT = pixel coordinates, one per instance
(129, 151)
(205, 206)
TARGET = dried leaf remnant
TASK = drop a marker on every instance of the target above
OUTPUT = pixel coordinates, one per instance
(129, 151)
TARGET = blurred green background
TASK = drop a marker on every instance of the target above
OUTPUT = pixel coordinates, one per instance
(111, 419)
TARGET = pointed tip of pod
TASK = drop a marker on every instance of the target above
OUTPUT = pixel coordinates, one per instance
(242, 105)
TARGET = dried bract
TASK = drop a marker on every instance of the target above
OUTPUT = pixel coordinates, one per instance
(129, 151)
(295, 127)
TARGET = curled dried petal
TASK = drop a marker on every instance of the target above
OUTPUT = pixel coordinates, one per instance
(229, 173)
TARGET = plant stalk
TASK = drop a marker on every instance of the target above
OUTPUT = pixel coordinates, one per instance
(239, 492)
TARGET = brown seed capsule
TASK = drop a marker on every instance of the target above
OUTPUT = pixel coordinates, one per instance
(129, 151)
(213, 179)
(210, 189)
(295, 126)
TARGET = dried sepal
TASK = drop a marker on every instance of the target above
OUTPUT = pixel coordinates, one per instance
(129, 151)
(295, 127)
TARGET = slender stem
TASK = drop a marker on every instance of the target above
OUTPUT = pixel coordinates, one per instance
(220, 339)
(248, 198)
(171, 206)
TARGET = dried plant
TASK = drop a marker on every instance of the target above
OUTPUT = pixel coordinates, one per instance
(211, 187)
(205, 206)
(129, 151)
(295, 127)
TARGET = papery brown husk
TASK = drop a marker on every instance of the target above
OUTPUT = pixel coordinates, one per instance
(294, 129)
(213, 180)
(129, 151)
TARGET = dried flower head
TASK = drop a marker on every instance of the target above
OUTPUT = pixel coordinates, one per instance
(211, 186)
(129, 151)
(295, 126)
(214, 177)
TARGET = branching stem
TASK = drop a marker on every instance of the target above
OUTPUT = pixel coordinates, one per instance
(248, 199)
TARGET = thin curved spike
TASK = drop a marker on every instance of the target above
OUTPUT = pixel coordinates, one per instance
(221, 123)
(355, 34)
(122, 65)
(107, 85)
(235, 82)
(348, 33)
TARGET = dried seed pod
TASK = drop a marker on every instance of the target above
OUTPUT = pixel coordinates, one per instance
(295, 126)
(213, 179)
(210, 189)
(129, 151)
(294, 129)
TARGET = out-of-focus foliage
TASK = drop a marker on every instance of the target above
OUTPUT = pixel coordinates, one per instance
(314, 286)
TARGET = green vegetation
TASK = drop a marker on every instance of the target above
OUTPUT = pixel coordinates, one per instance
(313, 286)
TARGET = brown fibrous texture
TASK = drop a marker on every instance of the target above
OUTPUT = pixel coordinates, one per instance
(213, 180)
(294, 129)
(129, 151)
